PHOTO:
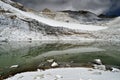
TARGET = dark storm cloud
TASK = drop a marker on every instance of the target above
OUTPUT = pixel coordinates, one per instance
(41, 4)
(97, 6)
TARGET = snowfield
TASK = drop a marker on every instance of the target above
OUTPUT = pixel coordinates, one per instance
(67, 74)
(19, 29)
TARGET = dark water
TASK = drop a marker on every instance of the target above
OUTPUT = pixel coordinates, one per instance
(32, 55)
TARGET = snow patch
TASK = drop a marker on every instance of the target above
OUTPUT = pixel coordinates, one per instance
(68, 74)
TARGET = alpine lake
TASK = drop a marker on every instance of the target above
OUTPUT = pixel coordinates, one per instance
(29, 56)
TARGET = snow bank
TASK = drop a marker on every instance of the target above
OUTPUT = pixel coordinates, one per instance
(50, 21)
(67, 74)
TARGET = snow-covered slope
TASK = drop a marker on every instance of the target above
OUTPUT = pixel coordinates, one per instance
(68, 74)
(115, 22)
(49, 21)
(18, 24)
(79, 17)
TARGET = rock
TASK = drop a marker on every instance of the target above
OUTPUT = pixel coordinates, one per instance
(54, 64)
(100, 67)
(109, 68)
(46, 10)
(50, 60)
(14, 66)
(115, 69)
(97, 64)
(97, 61)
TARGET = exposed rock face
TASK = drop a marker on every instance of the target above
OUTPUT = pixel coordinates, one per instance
(46, 10)
(15, 4)
(82, 15)
(48, 13)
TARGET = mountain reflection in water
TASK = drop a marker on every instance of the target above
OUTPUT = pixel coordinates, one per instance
(31, 55)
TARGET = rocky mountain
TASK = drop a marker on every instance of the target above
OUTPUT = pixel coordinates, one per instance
(82, 15)
(18, 23)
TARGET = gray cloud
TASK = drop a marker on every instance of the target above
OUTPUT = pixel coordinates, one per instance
(96, 6)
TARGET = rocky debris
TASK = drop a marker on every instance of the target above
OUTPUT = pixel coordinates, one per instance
(44, 65)
(115, 69)
(97, 64)
(13, 16)
(97, 61)
(51, 63)
(4, 11)
(54, 64)
(100, 67)
(112, 68)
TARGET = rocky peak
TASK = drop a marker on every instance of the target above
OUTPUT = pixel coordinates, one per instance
(15, 4)
(46, 10)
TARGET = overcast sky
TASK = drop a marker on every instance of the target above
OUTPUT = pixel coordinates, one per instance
(96, 6)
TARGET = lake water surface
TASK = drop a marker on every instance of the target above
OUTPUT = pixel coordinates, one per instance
(32, 55)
